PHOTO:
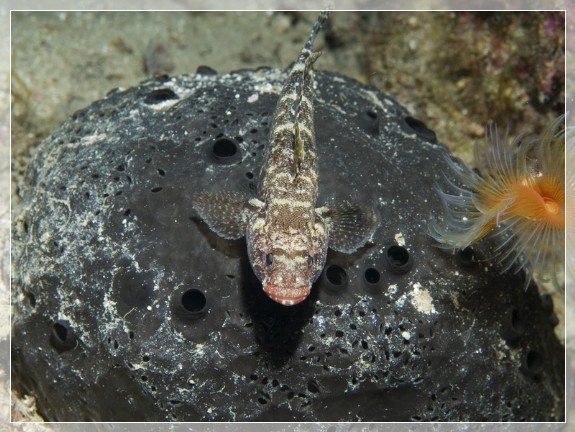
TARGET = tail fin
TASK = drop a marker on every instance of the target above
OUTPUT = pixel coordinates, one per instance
(321, 19)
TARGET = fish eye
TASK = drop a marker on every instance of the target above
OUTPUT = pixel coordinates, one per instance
(269, 259)
(309, 260)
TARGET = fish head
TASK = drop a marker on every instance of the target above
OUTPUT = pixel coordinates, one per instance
(287, 262)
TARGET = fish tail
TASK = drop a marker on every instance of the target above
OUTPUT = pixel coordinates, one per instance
(320, 21)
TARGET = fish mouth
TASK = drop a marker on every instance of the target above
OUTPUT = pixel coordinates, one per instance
(287, 297)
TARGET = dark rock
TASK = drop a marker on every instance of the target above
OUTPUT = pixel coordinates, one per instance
(128, 308)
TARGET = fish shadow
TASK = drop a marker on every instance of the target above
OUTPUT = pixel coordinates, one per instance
(278, 329)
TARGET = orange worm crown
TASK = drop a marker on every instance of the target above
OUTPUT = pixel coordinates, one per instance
(519, 198)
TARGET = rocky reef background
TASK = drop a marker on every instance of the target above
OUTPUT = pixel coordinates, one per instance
(64, 61)
(454, 71)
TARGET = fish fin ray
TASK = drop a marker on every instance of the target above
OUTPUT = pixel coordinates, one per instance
(350, 226)
(224, 212)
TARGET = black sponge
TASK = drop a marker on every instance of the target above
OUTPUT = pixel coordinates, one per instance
(127, 307)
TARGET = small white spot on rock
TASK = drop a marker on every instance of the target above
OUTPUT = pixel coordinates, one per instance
(399, 239)
(421, 299)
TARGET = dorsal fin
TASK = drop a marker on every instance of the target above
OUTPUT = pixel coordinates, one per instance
(306, 58)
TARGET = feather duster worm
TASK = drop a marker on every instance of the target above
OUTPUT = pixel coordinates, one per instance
(519, 197)
(570, 203)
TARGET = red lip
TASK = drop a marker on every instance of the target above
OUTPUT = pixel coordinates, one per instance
(287, 297)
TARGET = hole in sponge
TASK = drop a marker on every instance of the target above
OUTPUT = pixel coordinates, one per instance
(336, 275)
(312, 386)
(190, 304)
(194, 300)
(62, 338)
(334, 279)
(466, 257)
(512, 327)
(420, 129)
(371, 280)
(159, 96)
(398, 259)
(371, 276)
(369, 122)
(225, 151)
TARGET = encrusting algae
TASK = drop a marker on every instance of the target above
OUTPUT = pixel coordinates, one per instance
(519, 195)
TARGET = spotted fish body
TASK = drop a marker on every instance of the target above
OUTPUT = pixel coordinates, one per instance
(287, 234)
(287, 238)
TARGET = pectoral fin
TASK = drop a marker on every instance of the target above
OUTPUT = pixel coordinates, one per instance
(224, 212)
(350, 226)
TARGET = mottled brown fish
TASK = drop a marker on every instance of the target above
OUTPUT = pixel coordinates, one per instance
(287, 235)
